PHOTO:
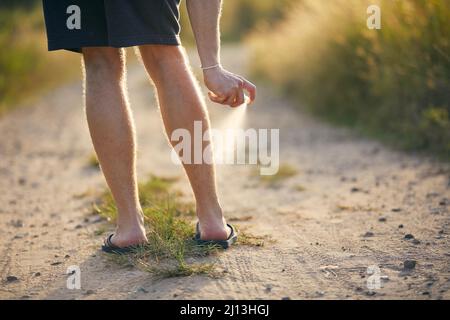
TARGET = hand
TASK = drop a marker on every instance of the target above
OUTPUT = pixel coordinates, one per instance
(228, 88)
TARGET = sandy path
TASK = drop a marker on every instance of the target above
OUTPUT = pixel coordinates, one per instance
(346, 186)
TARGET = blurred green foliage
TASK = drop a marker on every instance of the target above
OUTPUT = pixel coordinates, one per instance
(392, 83)
(24, 60)
(239, 17)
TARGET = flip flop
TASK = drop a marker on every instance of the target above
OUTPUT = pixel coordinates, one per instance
(109, 247)
(224, 244)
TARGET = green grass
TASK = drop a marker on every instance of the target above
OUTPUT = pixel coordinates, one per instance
(170, 235)
(169, 221)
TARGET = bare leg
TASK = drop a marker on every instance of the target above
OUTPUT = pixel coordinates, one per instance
(181, 104)
(112, 131)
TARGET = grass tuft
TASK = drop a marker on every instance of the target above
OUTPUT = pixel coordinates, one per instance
(171, 250)
(285, 172)
(171, 232)
(247, 239)
(92, 161)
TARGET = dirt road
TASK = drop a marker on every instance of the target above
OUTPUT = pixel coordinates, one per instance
(349, 207)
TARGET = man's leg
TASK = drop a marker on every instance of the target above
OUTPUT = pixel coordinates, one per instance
(181, 104)
(112, 131)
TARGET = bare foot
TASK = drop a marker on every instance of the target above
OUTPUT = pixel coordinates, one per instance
(130, 235)
(213, 230)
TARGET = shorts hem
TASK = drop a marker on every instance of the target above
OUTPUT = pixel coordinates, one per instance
(76, 44)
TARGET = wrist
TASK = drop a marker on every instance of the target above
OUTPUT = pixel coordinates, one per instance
(212, 72)
(211, 66)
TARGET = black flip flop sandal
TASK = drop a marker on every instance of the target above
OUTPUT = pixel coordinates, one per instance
(109, 247)
(224, 244)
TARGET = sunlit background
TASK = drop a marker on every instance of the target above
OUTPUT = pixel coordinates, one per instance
(392, 83)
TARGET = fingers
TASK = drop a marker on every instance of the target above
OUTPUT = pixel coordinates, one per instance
(215, 98)
(231, 97)
(240, 98)
(234, 96)
(250, 88)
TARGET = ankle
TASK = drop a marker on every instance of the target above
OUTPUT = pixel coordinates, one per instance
(210, 212)
(131, 221)
(126, 237)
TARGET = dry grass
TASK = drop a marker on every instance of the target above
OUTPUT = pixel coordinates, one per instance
(285, 172)
(392, 83)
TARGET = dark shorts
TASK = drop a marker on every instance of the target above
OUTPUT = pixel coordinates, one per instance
(74, 24)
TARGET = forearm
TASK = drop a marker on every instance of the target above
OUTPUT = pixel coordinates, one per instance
(204, 16)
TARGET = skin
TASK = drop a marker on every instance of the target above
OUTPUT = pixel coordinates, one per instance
(181, 103)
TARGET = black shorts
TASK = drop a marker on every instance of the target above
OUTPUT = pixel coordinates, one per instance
(74, 24)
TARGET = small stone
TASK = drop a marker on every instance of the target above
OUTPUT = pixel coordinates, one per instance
(142, 290)
(37, 274)
(401, 226)
(67, 256)
(368, 234)
(88, 292)
(12, 279)
(354, 190)
(409, 236)
(56, 263)
(409, 264)
(382, 219)
(78, 226)
(98, 220)
(396, 210)
(17, 223)
(371, 293)
(438, 210)
(416, 242)
(432, 195)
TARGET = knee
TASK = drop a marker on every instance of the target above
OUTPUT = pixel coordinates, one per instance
(158, 58)
(104, 61)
